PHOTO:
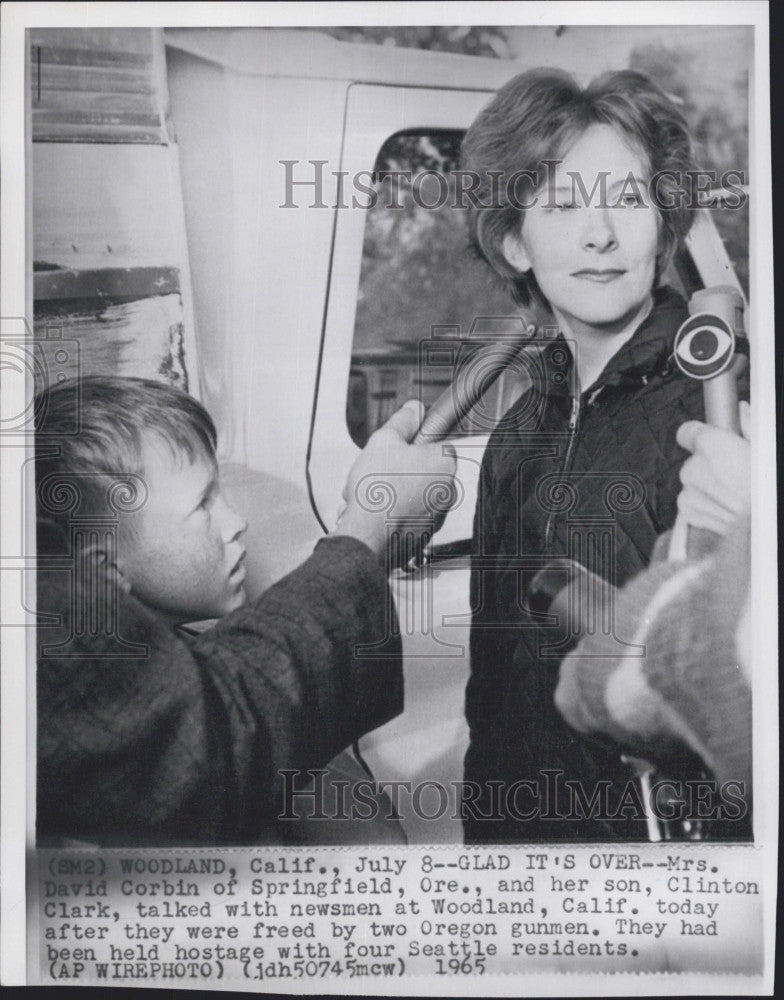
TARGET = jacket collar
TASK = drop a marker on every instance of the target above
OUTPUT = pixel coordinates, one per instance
(649, 350)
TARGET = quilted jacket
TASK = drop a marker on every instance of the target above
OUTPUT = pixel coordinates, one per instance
(594, 478)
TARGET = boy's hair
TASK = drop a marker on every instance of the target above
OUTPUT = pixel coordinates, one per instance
(91, 432)
(537, 117)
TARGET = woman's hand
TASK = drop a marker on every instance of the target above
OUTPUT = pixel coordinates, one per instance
(716, 479)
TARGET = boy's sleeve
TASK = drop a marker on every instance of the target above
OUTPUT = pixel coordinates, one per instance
(181, 742)
(318, 656)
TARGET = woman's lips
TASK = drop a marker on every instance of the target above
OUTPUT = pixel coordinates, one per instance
(601, 277)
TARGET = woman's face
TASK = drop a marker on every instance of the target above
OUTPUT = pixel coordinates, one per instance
(592, 251)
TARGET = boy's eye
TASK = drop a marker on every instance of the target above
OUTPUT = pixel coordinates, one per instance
(631, 200)
(206, 501)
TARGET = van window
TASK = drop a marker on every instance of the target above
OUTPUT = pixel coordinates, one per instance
(425, 302)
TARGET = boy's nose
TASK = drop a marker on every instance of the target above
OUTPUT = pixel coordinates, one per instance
(233, 524)
(598, 232)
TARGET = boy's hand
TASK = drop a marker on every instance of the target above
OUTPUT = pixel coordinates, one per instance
(396, 484)
(716, 479)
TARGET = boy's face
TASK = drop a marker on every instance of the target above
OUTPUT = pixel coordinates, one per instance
(182, 553)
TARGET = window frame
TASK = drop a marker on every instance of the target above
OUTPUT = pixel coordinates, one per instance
(373, 114)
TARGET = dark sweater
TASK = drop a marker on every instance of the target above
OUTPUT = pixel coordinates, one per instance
(179, 740)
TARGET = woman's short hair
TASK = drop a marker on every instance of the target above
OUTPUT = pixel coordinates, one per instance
(538, 116)
(91, 433)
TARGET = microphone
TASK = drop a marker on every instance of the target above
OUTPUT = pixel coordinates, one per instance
(451, 407)
(706, 349)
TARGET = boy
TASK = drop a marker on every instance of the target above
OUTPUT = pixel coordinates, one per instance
(146, 736)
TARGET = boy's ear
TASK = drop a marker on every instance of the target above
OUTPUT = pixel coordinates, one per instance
(109, 565)
(515, 253)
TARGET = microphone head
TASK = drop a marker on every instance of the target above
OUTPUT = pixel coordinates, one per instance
(704, 346)
(720, 300)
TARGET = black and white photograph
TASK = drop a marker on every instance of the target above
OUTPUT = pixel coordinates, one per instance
(389, 498)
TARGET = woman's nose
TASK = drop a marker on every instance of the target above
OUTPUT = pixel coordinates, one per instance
(598, 232)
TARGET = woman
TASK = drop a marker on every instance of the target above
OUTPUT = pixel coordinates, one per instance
(592, 201)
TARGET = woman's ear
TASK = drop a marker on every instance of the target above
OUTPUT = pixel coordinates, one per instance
(515, 253)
